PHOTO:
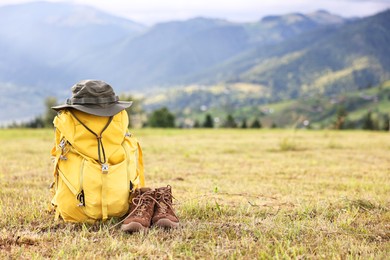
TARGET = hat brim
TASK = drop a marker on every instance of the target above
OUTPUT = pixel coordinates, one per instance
(109, 110)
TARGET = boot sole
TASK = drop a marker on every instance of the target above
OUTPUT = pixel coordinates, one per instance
(133, 227)
(166, 223)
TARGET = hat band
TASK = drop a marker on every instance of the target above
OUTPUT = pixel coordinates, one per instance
(80, 101)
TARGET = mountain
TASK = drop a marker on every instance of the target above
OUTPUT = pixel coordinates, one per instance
(168, 51)
(274, 29)
(175, 53)
(52, 45)
(47, 47)
(329, 60)
(39, 41)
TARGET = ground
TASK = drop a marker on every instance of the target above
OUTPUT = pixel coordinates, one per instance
(239, 194)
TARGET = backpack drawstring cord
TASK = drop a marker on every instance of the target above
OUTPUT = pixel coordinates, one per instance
(98, 138)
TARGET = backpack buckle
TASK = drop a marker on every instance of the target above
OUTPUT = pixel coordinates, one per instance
(62, 144)
(104, 168)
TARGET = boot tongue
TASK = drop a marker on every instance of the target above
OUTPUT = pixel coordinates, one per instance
(144, 189)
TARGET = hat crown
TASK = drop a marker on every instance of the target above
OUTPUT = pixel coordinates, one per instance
(94, 97)
(93, 91)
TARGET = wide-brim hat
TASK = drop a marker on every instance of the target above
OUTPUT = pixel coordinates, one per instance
(94, 97)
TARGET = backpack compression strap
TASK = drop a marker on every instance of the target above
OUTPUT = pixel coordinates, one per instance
(99, 139)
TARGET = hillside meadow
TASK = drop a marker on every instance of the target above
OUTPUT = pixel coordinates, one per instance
(240, 194)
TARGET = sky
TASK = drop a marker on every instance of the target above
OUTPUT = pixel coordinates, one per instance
(149, 12)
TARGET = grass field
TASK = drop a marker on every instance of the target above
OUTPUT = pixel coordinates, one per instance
(241, 194)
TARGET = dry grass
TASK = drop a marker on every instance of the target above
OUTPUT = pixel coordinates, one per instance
(240, 194)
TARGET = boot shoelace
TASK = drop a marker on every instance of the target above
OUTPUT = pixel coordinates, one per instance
(140, 201)
(163, 196)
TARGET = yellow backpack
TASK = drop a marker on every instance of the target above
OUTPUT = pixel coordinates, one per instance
(96, 167)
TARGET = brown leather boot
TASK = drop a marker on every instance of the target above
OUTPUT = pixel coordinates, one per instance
(141, 211)
(164, 216)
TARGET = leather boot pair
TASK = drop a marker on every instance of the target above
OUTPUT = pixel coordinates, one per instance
(151, 207)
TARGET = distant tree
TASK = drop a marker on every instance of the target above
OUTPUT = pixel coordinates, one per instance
(274, 125)
(37, 122)
(256, 124)
(208, 122)
(230, 122)
(368, 122)
(244, 124)
(135, 110)
(196, 124)
(49, 114)
(349, 124)
(41, 121)
(162, 118)
(341, 115)
(386, 122)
